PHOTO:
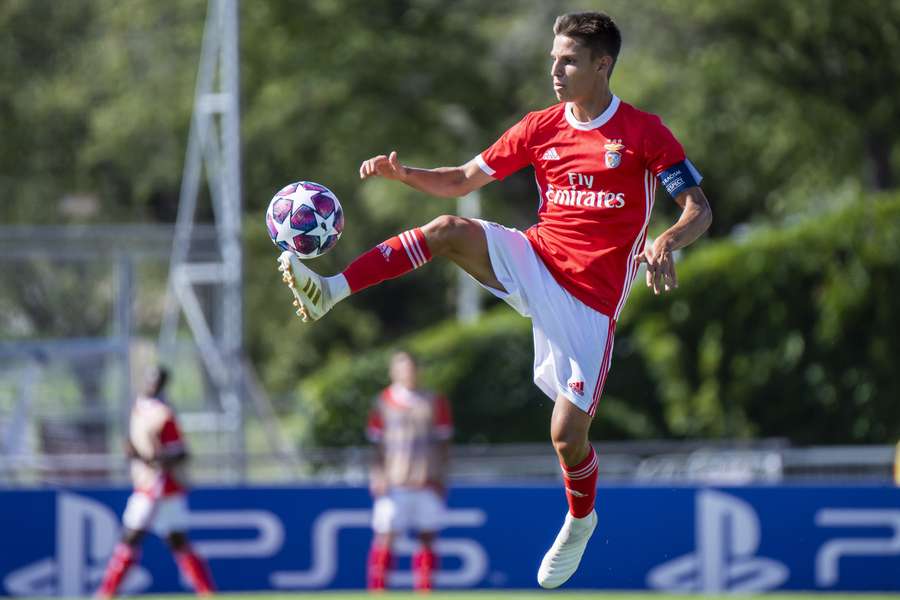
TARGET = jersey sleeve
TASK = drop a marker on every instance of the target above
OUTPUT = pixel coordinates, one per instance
(443, 419)
(170, 439)
(509, 153)
(375, 423)
(661, 149)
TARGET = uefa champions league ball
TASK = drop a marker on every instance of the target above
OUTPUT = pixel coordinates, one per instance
(305, 218)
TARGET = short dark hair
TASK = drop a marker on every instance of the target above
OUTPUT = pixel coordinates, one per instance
(155, 379)
(595, 30)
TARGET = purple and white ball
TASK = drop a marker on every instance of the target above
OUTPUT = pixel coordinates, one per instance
(305, 218)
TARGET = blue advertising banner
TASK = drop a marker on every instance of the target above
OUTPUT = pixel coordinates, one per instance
(738, 539)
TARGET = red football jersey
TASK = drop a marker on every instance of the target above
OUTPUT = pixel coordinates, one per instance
(596, 182)
(409, 423)
(154, 432)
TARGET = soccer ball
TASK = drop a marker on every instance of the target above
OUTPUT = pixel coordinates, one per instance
(305, 218)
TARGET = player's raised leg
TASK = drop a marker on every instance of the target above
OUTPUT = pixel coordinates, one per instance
(569, 431)
(461, 240)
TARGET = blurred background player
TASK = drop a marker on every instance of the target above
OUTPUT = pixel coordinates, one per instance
(158, 456)
(411, 429)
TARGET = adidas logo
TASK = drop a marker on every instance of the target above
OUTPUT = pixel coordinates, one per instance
(313, 292)
(576, 493)
(385, 251)
(577, 387)
(550, 154)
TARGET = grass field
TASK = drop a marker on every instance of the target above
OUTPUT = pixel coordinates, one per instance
(519, 595)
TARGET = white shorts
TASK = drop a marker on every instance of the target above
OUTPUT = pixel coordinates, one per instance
(407, 508)
(165, 515)
(573, 343)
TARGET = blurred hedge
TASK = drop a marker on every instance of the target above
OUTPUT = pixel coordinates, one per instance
(788, 332)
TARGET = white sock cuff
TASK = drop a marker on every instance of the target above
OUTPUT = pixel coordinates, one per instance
(338, 288)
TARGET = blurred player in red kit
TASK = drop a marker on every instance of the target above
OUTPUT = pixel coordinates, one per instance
(411, 429)
(158, 502)
(597, 161)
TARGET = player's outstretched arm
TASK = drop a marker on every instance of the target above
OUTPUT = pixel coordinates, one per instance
(696, 216)
(446, 182)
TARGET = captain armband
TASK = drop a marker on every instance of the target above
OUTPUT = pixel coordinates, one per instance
(679, 177)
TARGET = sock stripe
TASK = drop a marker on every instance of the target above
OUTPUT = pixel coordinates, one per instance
(584, 474)
(409, 252)
(419, 239)
(412, 240)
(585, 471)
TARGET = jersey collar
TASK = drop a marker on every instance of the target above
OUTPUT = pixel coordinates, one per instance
(596, 122)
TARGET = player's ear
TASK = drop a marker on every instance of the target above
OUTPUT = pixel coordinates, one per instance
(604, 64)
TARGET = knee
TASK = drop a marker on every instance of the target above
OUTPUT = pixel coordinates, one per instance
(444, 233)
(132, 537)
(570, 447)
(177, 541)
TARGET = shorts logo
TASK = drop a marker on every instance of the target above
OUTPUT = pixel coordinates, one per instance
(385, 251)
(577, 387)
(613, 157)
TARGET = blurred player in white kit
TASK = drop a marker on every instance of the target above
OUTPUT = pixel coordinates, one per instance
(411, 429)
(159, 500)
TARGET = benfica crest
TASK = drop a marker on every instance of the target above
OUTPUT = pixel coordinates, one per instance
(613, 153)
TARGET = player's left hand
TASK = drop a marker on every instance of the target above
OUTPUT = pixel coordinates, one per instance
(660, 266)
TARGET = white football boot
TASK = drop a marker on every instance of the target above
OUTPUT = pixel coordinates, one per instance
(311, 293)
(563, 557)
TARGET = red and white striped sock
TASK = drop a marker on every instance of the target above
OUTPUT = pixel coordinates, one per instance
(196, 571)
(389, 259)
(581, 484)
(425, 562)
(119, 563)
(379, 564)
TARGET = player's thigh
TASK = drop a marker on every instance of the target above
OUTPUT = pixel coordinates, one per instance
(463, 241)
(573, 347)
(428, 511)
(140, 512)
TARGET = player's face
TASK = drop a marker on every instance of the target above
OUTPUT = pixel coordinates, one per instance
(575, 74)
(403, 370)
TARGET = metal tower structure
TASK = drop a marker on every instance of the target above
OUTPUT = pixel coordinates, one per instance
(214, 147)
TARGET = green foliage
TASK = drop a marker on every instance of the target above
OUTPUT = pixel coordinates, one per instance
(789, 109)
(785, 332)
(788, 332)
(455, 359)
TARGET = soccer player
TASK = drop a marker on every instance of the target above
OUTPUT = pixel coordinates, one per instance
(411, 429)
(597, 161)
(158, 455)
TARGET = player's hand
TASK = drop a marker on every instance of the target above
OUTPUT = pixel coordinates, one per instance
(388, 167)
(660, 266)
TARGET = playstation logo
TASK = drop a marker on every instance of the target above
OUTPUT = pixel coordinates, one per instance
(727, 536)
(86, 532)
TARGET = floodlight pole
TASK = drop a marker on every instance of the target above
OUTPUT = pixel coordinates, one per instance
(213, 145)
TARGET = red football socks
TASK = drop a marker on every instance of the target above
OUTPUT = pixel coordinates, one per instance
(379, 564)
(425, 562)
(121, 560)
(196, 571)
(581, 485)
(389, 259)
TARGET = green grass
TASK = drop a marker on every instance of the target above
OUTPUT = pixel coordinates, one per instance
(517, 595)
